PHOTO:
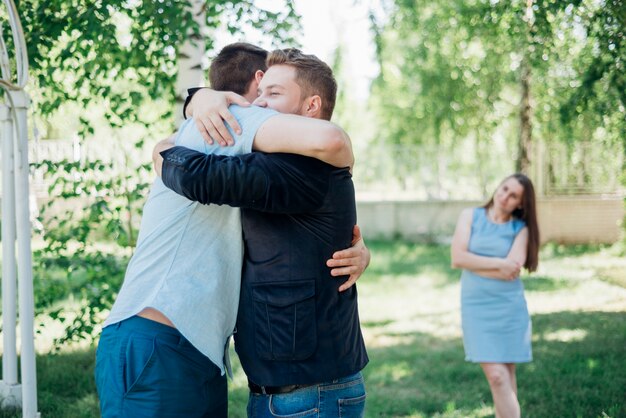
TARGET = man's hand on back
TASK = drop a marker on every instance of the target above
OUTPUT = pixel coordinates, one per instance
(161, 146)
(209, 108)
(352, 261)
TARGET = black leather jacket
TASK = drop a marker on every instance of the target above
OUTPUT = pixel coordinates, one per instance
(293, 326)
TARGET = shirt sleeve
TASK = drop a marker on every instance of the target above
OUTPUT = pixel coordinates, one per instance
(277, 183)
(518, 226)
(250, 118)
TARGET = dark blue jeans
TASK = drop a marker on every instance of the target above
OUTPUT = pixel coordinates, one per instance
(340, 398)
(147, 369)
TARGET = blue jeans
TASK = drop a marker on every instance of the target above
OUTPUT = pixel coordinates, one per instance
(340, 398)
(145, 369)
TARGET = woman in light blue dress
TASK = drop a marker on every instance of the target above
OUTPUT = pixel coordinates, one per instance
(491, 244)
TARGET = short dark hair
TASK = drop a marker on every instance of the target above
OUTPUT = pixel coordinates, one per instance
(313, 76)
(234, 67)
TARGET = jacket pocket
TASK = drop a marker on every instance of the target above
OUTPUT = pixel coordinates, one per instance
(284, 320)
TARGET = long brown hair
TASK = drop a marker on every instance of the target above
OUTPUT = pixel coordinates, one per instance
(528, 214)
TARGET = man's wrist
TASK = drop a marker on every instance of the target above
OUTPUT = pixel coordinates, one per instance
(188, 107)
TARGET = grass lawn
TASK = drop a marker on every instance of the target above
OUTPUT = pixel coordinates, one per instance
(409, 304)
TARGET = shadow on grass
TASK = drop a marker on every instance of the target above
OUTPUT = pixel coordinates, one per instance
(375, 324)
(577, 371)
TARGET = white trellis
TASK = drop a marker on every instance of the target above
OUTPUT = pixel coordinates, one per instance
(17, 278)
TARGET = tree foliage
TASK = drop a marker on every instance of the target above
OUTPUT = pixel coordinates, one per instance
(451, 75)
(120, 58)
(125, 52)
(88, 230)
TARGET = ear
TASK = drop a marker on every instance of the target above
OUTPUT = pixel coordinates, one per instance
(313, 106)
(258, 75)
(253, 90)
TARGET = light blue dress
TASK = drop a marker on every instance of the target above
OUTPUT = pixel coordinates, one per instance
(496, 324)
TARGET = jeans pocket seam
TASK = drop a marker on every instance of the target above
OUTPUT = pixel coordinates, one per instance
(350, 407)
(308, 412)
(144, 369)
(352, 401)
(296, 415)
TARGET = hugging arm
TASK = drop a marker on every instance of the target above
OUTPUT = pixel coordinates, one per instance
(287, 133)
(311, 137)
(211, 114)
(157, 160)
(267, 182)
(352, 261)
(259, 184)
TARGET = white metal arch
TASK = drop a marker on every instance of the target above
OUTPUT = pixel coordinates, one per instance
(17, 278)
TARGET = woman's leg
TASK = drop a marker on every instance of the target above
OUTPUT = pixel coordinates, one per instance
(502, 389)
(511, 367)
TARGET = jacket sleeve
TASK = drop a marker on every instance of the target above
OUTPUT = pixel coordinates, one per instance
(278, 183)
(190, 93)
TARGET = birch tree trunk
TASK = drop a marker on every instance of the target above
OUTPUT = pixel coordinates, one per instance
(526, 128)
(525, 138)
(190, 55)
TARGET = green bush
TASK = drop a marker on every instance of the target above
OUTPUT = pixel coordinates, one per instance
(88, 230)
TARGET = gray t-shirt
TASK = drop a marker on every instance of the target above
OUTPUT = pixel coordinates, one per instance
(188, 259)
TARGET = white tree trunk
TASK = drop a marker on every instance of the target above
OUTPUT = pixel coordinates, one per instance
(190, 57)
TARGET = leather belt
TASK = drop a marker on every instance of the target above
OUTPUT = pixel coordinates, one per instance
(273, 390)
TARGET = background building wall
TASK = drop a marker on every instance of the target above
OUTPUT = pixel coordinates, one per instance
(568, 220)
